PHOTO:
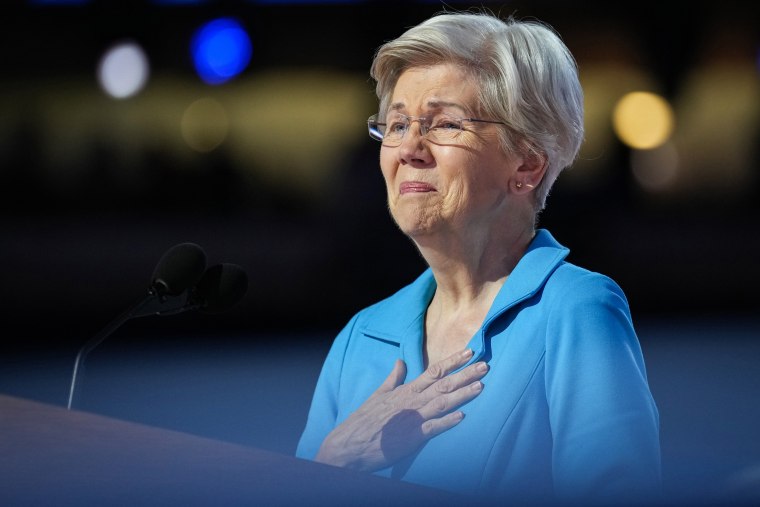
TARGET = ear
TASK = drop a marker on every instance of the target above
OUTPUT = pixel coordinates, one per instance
(530, 173)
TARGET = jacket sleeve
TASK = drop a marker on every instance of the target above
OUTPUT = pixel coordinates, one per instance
(604, 422)
(324, 404)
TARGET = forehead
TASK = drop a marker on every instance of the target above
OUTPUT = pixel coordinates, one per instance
(444, 86)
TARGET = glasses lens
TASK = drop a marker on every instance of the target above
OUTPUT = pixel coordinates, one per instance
(376, 130)
(441, 128)
(444, 128)
(396, 126)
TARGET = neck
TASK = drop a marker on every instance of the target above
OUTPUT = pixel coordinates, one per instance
(469, 270)
(470, 266)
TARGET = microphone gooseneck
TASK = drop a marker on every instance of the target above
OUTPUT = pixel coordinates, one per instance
(178, 269)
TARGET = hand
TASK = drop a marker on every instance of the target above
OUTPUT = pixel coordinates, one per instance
(399, 418)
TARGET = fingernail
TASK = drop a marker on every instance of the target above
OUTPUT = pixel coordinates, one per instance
(476, 386)
(481, 367)
(466, 353)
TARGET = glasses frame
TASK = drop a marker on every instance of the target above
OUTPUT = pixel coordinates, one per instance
(374, 131)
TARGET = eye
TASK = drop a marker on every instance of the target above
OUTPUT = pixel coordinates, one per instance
(396, 126)
(446, 123)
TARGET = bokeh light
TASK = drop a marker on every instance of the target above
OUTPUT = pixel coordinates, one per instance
(205, 125)
(655, 170)
(123, 70)
(221, 50)
(643, 120)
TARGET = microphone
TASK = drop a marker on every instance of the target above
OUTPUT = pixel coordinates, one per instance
(179, 268)
(218, 290)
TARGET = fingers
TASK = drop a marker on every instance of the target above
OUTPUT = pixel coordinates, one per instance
(445, 403)
(440, 370)
(437, 393)
(461, 378)
(433, 427)
(453, 391)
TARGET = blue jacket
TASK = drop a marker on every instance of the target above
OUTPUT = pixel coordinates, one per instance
(565, 412)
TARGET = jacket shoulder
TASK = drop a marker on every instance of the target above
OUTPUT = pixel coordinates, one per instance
(571, 282)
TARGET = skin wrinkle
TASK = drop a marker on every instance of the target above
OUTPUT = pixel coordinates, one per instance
(444, 386)
(441, 406)
(432, 105)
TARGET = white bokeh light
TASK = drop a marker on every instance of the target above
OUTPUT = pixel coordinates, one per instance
(123, 70)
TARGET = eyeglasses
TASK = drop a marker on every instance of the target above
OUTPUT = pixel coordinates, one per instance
(440, 128)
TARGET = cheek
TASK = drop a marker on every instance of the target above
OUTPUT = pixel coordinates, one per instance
(387, 165)
(473, 181)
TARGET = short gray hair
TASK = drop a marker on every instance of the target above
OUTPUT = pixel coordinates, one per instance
(527, 76)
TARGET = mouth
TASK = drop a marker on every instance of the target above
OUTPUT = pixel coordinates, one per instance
(415, 187)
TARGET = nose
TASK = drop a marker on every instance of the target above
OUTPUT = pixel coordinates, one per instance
(414, 149)
(421, 127)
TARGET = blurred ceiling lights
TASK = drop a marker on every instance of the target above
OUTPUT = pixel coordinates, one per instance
(297, 125)
(123, 70)
(643, 120)
(205, 125)
(221, 50)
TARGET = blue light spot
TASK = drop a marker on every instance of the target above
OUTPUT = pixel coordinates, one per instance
(221, 50)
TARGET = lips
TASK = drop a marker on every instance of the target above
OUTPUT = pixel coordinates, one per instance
(415, 187)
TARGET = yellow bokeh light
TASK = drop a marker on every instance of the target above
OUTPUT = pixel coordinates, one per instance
(643, 120)
(204, 125)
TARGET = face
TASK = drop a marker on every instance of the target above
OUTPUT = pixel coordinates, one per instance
(438, 188)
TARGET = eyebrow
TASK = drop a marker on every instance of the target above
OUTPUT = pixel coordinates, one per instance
(432, 104)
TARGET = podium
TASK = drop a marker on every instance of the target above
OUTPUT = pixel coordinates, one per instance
(52, 456)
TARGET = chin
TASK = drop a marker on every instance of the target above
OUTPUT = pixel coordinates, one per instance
(415, 227)
(416, 220)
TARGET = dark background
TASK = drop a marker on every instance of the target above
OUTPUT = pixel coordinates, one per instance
(74, 255)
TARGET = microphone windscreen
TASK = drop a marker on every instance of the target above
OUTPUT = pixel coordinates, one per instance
(179, 269)
(221, 287)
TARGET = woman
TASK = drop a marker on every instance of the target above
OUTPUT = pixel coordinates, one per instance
(512, 371)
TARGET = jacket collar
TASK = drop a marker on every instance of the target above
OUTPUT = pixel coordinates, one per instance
(543, 256)
(399, 318)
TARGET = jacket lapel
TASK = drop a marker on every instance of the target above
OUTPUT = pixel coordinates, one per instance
(400, 319)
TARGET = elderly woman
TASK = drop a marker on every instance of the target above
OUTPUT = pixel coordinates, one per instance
(503, 369)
